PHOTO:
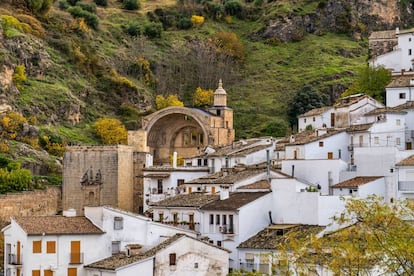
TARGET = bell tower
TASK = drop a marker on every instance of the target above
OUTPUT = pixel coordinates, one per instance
(220, 96)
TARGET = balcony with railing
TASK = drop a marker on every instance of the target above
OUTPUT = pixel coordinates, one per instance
(76, 258)
(406, 186)
(14, 259)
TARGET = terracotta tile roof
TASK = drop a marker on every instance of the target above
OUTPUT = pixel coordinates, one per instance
(234, 202)
(315, 111)
(273, 235)
(356, 182)
(407, 161)
(401, 81)
(384, 110)
(407, 31)
(57, 225)
(230, 175)
(309, 136)
(405, 106)
(362, 127)
(187, 200)
(383, 35)
(350, 100)
(261, 184)
(240, 148)
(119, 260)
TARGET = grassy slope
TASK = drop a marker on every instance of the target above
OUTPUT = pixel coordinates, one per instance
(270, 76)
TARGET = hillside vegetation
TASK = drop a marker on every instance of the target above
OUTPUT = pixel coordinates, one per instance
(66, 64)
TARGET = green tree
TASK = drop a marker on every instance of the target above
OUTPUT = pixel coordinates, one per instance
(202, 98)
(305, 99)
(275, 128)
(111, 131)
(131, 4)
(372, 234)
(370, 81)
(171, 100)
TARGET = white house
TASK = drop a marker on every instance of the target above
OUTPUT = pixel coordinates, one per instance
(52, 245)
(294, 205)
(318, 144)
(165, 181)
(260, 252)
(233, 178)
(123, 228)
(400, 89)
(323, 117)
(230, 220)
(404, 171)
(244, 152)
(179, 255)
(401, 57)
(360, 186)
(408, 107)
(320, 173)
(350, 110)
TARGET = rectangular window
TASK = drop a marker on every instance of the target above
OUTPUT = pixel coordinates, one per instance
(118, 223)
(190, 190)
(402, 95)
(218, 243)
(320, 143)
(48, 272)
(376, 140)
(159, 186)
(313, 119)
(409, 52)
(75, 253)
(35, 272)
(218, 219)
(224, 219)
(398, 122)
(173, 259)
(50, 247)
(180, 182)
(72, 271)
(304, 120)
(205, 162)
(37, 246)
(398, 141)
(161, 216)
(175, 218)
(199, 162)
(116, 247)
(330, 155)
(332, 119)
(211, 219)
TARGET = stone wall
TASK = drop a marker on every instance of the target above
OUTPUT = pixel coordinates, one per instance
(31, 203)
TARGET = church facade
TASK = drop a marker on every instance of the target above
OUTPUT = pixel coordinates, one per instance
(112, 175)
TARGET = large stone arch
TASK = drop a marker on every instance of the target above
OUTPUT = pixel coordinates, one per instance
(181, 129)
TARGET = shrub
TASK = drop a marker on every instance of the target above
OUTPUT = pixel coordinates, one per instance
(63, 5)
(184, 23)
(233, 7)
(87, 7)
(111, 131)
(35, 25)
(90, 18)
(229, 43)
(72, 2)
(53, 146)
(131, 4)
(153, 30)
(13, 27)
(197, 20)
(102, 3)
(15, 180)
(133, 28)
(19, 76)
(39, 6)
(11, 124)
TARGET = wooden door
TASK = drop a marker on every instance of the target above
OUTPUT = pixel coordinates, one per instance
(35, 272)
(75, 256)
(17, 271)
(72, 271)
(190, 190)
(213, 189)
(330, 155)
(408, 146)
(48, 272)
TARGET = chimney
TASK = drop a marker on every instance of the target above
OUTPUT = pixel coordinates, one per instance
(175, 159)
(69, 213)
(224, 192)
(133, 249)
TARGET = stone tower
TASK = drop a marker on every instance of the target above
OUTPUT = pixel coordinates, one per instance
(220, 95)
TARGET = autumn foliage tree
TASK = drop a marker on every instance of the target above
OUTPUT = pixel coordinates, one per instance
(229, 43)
(373, 235)
(111, 131)
(171, 100)
(202, 98)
